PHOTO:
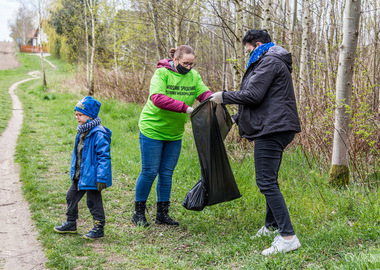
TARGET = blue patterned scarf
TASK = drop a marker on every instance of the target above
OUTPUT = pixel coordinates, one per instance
(88, 126)
(258, 52)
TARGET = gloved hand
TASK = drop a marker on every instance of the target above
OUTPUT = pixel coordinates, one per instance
(217, 97)
(189, 110)
(101, 185)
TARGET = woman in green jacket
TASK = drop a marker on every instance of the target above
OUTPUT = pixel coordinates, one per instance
(173, 89)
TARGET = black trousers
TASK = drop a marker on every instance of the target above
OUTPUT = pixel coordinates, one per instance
(268, 155)
(94, 203)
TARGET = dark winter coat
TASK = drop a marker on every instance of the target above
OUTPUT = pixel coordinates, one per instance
(96, 159)
(266, 98)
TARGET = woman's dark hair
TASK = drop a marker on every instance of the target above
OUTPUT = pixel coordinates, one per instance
(256, 35)
(183, 49)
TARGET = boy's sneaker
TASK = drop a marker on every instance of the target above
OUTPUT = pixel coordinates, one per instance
(264, 231)
(96, 232)
(66, 227)
(282, 245)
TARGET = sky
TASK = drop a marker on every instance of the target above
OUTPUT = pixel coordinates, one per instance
(8, 10)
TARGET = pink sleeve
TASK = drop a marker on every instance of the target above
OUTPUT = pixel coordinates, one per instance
(167, 103)
(204, 95)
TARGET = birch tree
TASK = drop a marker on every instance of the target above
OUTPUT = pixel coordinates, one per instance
(40, 16)
(153, 5)
(239, 32)
(376, 65)
(114, 13)
(266, 22)
(87, 45)
(302, 92)
(41, 7)
(339, 171)
(92, 7)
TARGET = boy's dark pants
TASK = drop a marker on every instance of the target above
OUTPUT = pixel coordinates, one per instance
(94, 203)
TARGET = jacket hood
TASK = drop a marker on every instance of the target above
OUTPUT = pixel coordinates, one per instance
(281, 53)
(107, 133)
(166, 63)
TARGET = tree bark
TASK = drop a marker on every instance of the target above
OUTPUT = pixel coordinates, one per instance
(87, 47)
(239, 50)
(327, 42)
(41, 49)
(92, 8)
(339, 170)
(303, 87)
(114, 11)
(156, 31)
(267, 20)
(376, 70)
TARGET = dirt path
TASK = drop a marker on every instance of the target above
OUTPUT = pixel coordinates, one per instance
(19, 248)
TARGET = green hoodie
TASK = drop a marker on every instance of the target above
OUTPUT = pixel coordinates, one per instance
(159, 124)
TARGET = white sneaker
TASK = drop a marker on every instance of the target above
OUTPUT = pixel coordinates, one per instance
(282, 245)
(264, 231)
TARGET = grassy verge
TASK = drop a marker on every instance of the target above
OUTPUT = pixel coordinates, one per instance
(337, 229)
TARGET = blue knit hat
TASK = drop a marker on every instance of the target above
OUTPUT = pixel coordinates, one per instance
(89, 106)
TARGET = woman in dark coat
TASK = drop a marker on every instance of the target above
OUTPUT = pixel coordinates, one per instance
(268, 116)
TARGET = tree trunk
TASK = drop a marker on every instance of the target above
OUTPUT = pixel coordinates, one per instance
(157, 38)
(339, 172)
(92, 9)
(266, 22)
(41, 49)
(177, 24)
(303, 87)
(286, 24)
(375, 74)
(114, 43)
(292, 43)
(325, 29)
(239, 50)
(224, 68)
(87, 47)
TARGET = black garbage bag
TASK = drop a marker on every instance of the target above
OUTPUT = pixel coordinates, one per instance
(211, 124)
(196, 199)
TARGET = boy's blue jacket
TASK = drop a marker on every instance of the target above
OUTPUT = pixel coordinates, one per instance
(96, 159)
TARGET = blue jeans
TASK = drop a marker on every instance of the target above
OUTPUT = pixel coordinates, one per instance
(157, 158)
(268, 155)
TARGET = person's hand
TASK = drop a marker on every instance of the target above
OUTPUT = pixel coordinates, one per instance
(101, 185)
(217, 97)
(189, 110)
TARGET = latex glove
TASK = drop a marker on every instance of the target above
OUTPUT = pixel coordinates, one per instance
(189, 110)
(101, 185)
(217, 97)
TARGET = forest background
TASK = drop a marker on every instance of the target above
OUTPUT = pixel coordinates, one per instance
(110, 49)
(117, 44)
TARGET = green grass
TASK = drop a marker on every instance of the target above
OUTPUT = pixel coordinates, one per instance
(338, 229)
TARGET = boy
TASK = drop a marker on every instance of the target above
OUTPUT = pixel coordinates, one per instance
(90, 168)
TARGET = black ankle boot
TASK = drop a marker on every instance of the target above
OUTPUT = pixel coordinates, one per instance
(139, 214)
(66, 227)
(96, 232)
(162, 216)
